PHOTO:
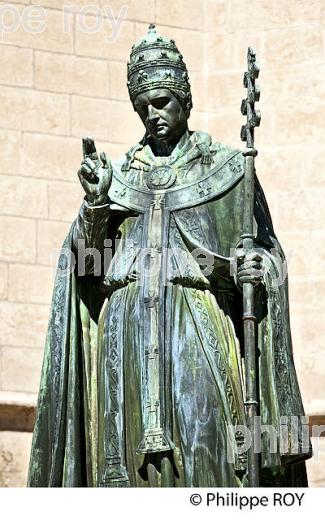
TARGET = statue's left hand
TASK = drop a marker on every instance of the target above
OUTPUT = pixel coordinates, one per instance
(250, 268)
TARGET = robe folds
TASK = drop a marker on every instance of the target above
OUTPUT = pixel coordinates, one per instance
(142, 381)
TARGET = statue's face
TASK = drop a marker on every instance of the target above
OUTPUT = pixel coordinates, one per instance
(161, 113)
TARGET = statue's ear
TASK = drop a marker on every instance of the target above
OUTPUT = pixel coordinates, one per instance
(188, 108)
(188, 104)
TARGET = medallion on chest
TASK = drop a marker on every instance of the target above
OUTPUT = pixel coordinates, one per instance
(160, 176)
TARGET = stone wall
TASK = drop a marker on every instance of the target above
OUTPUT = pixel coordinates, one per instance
(69, 79)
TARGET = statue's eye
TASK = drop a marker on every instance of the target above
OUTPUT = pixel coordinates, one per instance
(160, 102)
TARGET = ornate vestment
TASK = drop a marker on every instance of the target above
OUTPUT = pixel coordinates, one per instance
(143, 365)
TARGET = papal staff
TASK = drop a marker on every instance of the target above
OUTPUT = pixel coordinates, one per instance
(247, 135)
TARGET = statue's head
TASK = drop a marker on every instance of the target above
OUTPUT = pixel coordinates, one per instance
(158, 86)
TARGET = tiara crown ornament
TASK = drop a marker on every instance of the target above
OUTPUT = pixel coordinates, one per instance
(155, 62)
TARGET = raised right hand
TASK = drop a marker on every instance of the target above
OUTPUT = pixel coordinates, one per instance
(95, 174)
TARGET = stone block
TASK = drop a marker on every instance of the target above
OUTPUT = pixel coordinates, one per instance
(104, 38)
(16, 66)
(64, 200)
(58, 158)
(113, 150)
(280, 169)
(135, 9)
(216, 14)
(50, 237)
(306, 293)
(293, 45)
(118, 79)
(225, 127)
(10, 151)
(301, 209)
(59, 4)
(316, 465)
(198, 120)
(17, 239)
(313, 170)
(72, 75)
(199, 82)
(303, 125)
(4, 268)
(106, 120)
(51, 157)
(256, 14)
(23, 197)
(223, 91)
(312, 369)
(299, 12)
(23, 325)
(24, 109)
(131, 10)
(305, 251)
(308, 332)
(31, 283)
(14, 458)
(288, 87)
(21, 369)
(51, 35)
(183, 13)
(220, 51)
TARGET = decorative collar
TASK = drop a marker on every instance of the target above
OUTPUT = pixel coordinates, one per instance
(192, 145)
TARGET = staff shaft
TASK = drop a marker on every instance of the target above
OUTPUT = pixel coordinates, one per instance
(251, 401)
(251, 379)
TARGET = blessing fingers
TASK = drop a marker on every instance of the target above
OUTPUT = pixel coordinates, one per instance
(87, 169)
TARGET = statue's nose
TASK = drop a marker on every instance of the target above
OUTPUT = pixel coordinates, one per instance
(152, 113)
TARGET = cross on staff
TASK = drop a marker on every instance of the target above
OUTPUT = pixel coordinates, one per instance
(248, 104)
(247, 135)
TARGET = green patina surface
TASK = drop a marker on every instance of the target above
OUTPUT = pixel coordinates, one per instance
(143, 382)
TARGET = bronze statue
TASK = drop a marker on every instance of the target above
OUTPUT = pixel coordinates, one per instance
(143, 381)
